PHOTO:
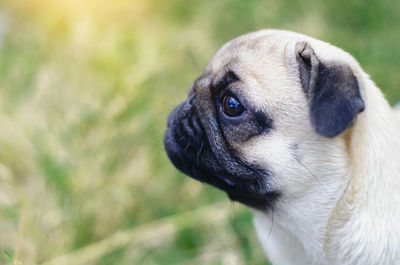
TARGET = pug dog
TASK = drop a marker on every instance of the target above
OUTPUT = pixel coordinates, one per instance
(293, 128)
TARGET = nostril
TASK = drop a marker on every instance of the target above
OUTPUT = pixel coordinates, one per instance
(191, 99)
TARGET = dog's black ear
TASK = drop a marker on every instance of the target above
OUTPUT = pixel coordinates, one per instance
(332, 91)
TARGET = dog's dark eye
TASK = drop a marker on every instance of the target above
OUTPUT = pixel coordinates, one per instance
(231, 106)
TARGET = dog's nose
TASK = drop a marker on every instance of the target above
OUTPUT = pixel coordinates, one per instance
(181, 110)
(186, 124)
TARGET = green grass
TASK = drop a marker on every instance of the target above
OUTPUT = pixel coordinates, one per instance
(85, 89)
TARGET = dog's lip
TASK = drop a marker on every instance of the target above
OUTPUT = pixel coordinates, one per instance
(235, 187)
(187, 161)
(228, 181)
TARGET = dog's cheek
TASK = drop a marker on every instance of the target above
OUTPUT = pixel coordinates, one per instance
(269, 152)
(277, 154)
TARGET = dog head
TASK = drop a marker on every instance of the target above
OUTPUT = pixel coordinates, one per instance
(271, 107)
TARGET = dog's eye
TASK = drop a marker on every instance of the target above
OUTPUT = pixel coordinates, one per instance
(231, 106)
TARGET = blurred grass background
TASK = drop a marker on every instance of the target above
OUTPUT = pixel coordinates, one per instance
(85, 89)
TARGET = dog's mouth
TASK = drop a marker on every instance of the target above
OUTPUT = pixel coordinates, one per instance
(187, 145)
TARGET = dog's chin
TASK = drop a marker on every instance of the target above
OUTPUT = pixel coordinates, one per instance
(190, 152)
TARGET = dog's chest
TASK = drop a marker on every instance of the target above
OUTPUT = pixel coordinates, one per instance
(283, 246)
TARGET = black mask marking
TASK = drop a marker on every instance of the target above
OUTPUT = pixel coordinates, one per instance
(197, 145)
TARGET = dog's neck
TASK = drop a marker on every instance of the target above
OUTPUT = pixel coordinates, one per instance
(366, 216)
(294, 233)
(336, 228)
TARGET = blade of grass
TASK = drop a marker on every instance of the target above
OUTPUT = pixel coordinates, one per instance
(19, 240)
(146, 234)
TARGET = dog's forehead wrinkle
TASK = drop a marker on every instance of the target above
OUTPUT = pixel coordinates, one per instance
(224, 78)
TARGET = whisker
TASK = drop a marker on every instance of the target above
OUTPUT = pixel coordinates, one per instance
(180, 139)
(187, 146)
(309, 171)
(198, 154)
(272, 223)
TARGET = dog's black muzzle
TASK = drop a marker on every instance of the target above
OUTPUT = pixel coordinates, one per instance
(188, 148)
